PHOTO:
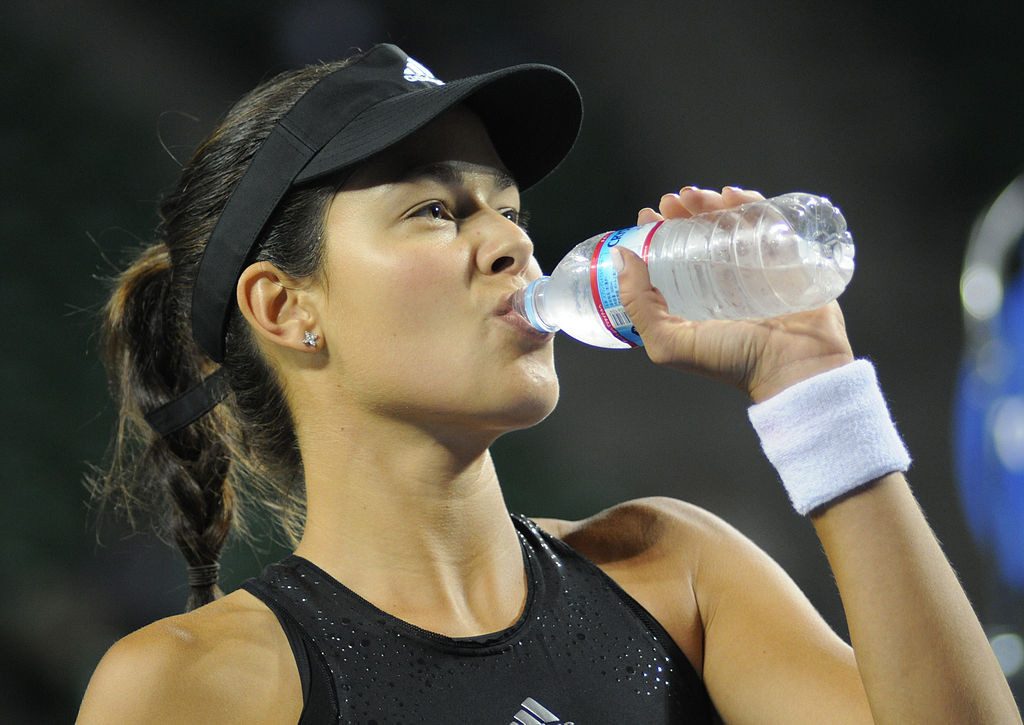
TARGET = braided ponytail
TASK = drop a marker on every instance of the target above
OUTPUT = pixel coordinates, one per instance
(148, 364)
(199, 480)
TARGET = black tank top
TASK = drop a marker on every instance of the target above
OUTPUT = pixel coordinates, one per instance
(583, 652)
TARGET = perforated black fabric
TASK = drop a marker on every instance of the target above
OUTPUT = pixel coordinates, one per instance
(583, 652)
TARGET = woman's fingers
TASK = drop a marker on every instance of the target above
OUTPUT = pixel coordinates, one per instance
(672, 207)
(699, 201)
(647, 215)
(734, 196)
(692, 200)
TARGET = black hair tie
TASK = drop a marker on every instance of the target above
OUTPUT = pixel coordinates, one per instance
(203, 576)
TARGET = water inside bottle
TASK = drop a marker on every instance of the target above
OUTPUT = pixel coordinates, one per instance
(756, 260)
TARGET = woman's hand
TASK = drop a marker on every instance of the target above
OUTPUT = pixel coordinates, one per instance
(761, 357)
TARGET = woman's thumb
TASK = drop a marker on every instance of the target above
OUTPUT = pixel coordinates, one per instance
(644, 304)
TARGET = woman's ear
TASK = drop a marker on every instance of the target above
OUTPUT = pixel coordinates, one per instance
(280, 309)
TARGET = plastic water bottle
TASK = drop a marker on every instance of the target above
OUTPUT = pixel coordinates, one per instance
(762, 259)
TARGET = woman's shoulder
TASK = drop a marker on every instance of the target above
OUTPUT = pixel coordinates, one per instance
(653, 548)
(227, 660)
(651, 527)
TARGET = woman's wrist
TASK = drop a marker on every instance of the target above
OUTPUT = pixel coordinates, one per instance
(829, 434)
(796, 373)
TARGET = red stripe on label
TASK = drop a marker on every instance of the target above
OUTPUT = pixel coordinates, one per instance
(647, 241)
(595, 293)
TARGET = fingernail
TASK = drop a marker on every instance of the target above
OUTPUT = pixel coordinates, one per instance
(688, 188)
(732, 188)
(617, 262)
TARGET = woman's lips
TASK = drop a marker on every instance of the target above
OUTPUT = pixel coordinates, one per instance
(507, 313)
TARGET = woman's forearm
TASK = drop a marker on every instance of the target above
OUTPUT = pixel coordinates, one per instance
(921, 652)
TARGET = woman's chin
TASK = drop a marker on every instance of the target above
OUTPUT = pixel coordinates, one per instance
(529, 410)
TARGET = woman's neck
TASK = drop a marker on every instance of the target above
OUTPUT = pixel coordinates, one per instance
(414, 526)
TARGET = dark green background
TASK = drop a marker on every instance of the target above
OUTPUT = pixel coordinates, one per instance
(908, 115)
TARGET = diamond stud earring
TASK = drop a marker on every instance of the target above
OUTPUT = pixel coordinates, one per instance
(310, 338)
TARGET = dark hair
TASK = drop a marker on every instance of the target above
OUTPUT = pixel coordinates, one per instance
(199, 480)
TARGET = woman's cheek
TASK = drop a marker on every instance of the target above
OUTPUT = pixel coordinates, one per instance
(407, 300)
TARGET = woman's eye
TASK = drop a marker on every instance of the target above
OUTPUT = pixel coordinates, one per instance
(434, 210)
(517, 217)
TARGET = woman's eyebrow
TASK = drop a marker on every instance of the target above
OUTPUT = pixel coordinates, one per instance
(453, 173)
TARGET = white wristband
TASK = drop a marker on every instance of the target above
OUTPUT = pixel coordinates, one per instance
(829, 434)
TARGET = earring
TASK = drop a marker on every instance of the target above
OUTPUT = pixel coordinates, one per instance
(310, 338)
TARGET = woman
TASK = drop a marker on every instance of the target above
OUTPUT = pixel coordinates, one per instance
(345, 245)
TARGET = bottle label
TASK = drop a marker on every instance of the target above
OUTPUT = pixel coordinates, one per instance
(604, 281)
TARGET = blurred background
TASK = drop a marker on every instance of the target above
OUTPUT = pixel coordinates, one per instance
(909, 116)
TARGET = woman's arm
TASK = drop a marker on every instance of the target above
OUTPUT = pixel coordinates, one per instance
(919, 654)
(918, 648)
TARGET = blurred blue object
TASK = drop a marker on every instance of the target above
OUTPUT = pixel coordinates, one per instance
(989, 409)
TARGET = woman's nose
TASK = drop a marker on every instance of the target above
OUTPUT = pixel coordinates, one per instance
(504, 246)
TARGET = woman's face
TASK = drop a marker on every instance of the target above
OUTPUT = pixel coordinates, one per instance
(422, 253)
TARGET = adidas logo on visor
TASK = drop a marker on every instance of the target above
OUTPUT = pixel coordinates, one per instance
(533, 713)
(416, 72)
